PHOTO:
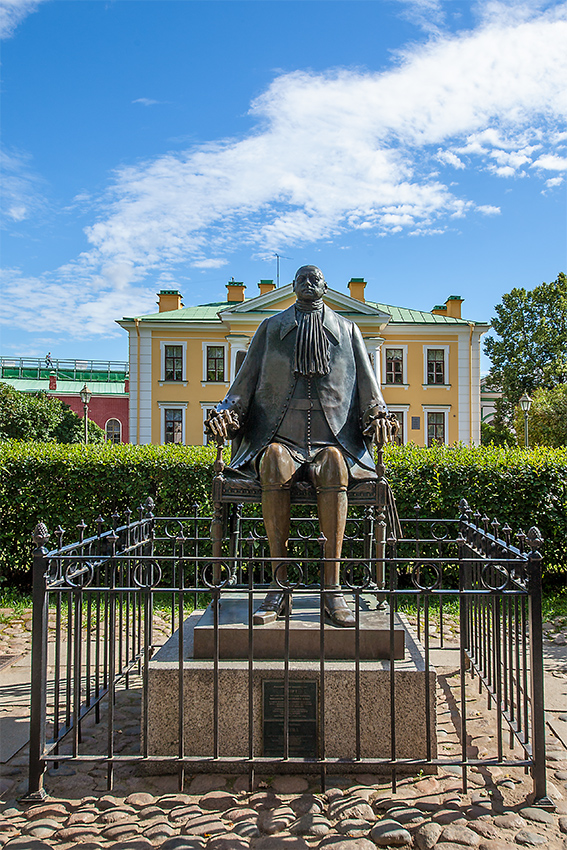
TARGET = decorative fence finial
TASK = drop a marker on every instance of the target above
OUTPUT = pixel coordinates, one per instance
(40, 534)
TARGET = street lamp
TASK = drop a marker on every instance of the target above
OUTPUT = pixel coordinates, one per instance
(525, 404)
(85, 398)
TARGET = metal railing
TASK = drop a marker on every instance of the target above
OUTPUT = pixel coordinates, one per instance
(35, 368)
(98, 596)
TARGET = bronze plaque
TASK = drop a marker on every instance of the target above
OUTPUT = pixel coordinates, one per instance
(303, 711)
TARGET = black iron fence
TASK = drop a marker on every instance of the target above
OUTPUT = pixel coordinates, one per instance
(208, 697)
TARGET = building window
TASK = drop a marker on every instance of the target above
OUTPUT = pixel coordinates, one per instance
(435, 429)
(435, 365)
(400, 416)
(215, 363)
(173, 425)
(394, 366)
(173, 362)
(240, 355)
(113, 431)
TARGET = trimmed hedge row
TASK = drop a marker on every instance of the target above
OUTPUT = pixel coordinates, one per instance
(61, 485)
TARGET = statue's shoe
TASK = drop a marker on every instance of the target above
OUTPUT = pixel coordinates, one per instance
(338, 611)
(271, 608)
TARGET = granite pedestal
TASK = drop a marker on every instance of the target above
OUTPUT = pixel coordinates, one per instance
(340, 710)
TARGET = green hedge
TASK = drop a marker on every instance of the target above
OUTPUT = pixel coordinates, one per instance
(61, 485)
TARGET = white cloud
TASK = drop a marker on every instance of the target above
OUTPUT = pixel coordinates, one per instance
(210, 264)
(330, 153)
(12, 12)
(20, 188)
(145, 101)
(551, 162)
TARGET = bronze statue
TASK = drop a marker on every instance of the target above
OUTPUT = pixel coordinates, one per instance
(305, 403)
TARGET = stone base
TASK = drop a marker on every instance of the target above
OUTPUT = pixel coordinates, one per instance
(339, 683)
(304, 631)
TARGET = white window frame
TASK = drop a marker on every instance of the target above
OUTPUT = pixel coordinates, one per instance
(113, 419)
(162, 345)
(436, 408)
(217, 344)
(403, 409)
(172, 405)
(206, 405)
(447, 384)
(404, 348)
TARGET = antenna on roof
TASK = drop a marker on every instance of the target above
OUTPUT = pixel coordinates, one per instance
(278, 258)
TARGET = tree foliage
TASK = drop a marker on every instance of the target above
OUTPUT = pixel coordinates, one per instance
(547, 423)
(531, 351)
(41, 417)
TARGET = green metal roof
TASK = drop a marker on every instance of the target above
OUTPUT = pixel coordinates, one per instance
(209, 313)
(406, 316)
(30, 385)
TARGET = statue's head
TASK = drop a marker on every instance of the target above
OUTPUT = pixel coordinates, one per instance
(309, 283)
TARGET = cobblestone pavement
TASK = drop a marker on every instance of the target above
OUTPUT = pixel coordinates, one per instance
(219, 812)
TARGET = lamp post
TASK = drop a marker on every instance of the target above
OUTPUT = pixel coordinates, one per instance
(85, 398)
(525, 404)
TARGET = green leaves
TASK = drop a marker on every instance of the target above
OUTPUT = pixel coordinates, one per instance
(61, 485)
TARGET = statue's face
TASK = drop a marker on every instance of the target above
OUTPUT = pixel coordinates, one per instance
(309, 284)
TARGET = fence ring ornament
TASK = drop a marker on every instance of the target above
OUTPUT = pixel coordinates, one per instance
(498, 569)
(442, 525)
(154, 576)
(179, 529)
(416, 576)
(287, 585)
(349, 576)
(221, 566)
(310, 525)
(84, 574)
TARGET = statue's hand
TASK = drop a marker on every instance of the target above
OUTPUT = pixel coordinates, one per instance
(382, 428)
(222, 425)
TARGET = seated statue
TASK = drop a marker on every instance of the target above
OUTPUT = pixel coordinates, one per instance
(305, 402)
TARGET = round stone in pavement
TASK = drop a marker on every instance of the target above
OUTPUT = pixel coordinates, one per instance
(158, 832)
(536, 815)
(354, 827)
(218, 801)
(530, 839)
(131, 844)
(264, 800)
(460, 835)
(340, 842)
(307, 804)
(41, 828)
(184, 842)
(140, 800)
(563, 824)
(120, 831)
(239, 813)
(228, 842)
(275, 820)
(350, 807)
(246, 829)
(406, 814)
(389, 832)
(509, 821)
(182, 813)
(310, 825)
(24, 842)
(173, 801)
(47, 810)
(150, 812)
(427, 835)
(78, 833)
(204, 825)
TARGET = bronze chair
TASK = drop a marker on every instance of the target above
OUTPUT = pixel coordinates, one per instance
(376, 494)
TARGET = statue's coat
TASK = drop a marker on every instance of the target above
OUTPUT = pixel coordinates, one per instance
(261, 391)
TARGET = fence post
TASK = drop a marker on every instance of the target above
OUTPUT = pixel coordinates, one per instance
(36, 791)
(535, 540)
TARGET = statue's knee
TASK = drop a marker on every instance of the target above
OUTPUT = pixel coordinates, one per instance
(330, 468)
(276, 465)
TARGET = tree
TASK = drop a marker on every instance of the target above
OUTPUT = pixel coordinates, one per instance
(40, 417)
(547, 423)
(498, 432)
(532, 349)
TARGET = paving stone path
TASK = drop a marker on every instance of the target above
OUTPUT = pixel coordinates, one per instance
(219, 812)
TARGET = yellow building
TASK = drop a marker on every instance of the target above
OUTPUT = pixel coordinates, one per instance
(183, 359)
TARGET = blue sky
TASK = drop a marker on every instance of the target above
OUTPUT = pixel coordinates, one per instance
(150, 144)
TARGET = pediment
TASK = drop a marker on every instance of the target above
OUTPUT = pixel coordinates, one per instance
(280, 299)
